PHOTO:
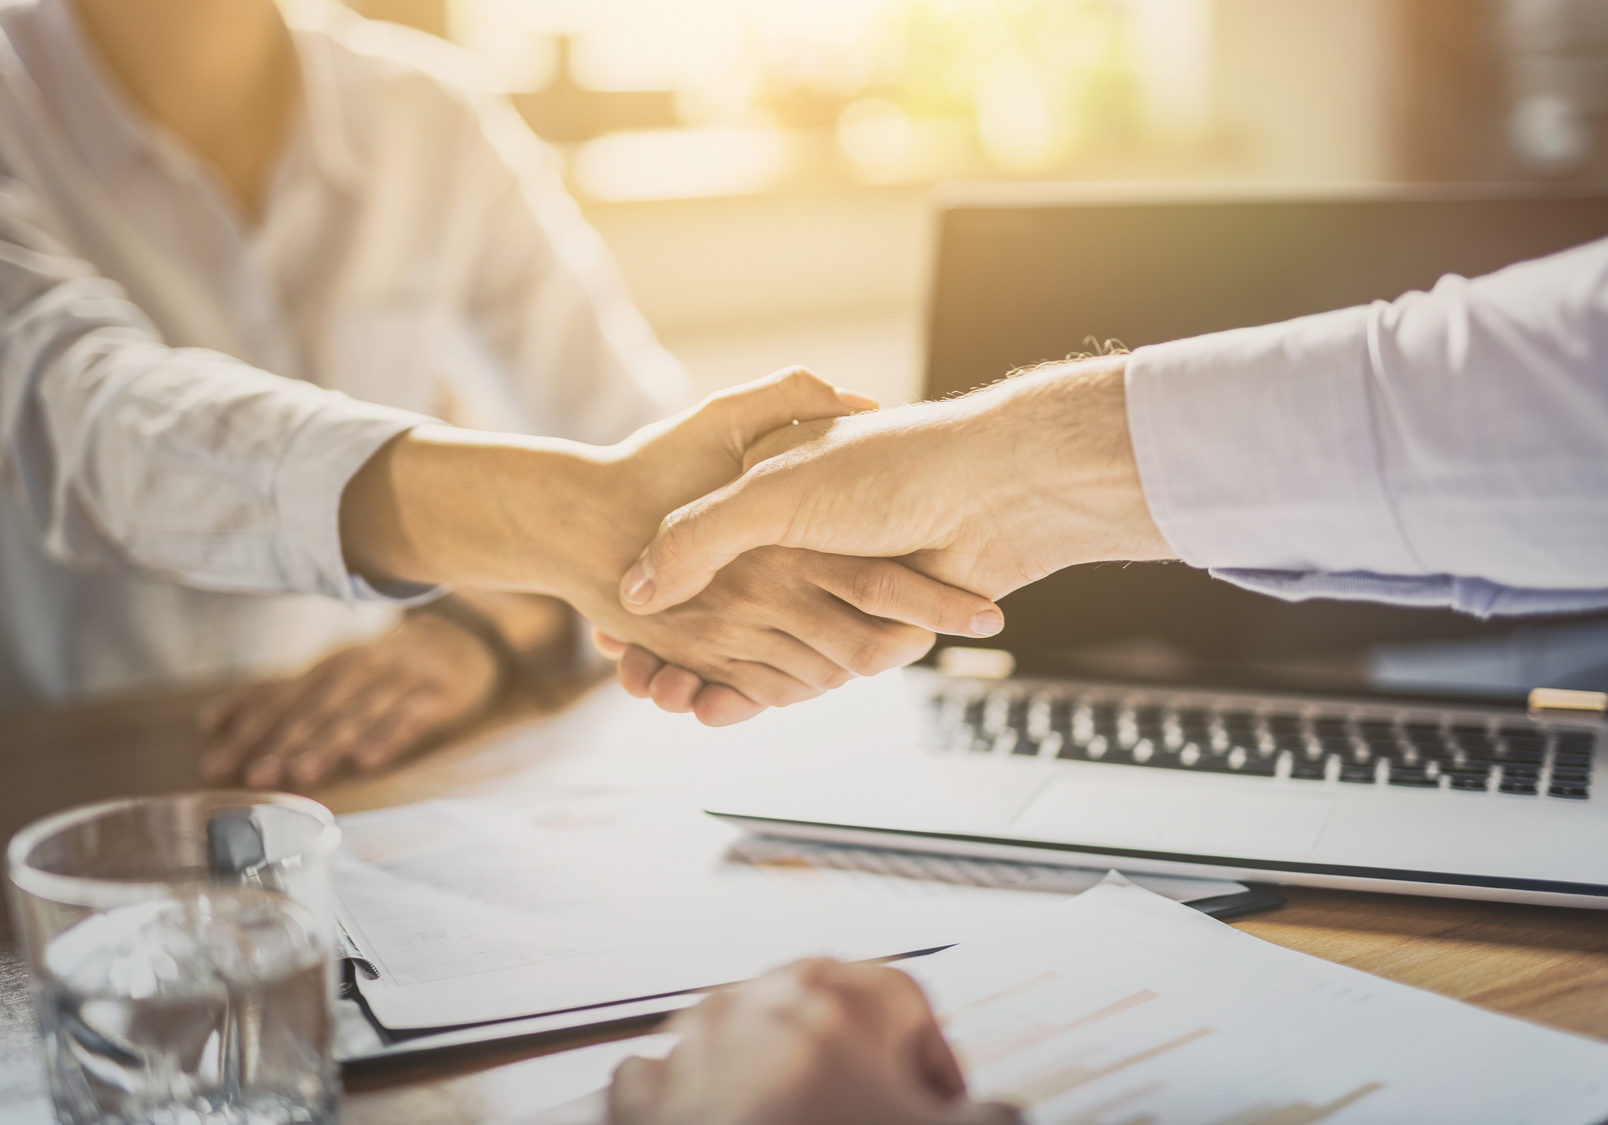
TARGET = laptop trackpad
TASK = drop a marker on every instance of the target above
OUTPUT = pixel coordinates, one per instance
(1152, 814)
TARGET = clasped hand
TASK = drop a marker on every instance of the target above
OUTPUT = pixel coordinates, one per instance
(987, 493)
(773, 625)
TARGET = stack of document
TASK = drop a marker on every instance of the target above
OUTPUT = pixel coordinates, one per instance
(1128, 1009)
(464, 913)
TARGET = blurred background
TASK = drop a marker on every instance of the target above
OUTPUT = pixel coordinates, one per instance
(763, 169)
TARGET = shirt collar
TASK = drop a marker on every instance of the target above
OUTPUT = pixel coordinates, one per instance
(326, 121)
(109, 130)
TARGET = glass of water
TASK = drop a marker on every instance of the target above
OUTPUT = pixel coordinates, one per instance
(181, 950)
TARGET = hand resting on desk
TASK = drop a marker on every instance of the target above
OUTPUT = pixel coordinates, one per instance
(817, 1042)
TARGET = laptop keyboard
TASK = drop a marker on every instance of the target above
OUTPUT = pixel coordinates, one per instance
(1353, 746)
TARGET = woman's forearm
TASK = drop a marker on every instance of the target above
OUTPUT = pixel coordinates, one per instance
(494, 511)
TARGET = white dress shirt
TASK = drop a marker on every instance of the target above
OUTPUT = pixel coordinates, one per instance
(168, 512)
(1449, 448)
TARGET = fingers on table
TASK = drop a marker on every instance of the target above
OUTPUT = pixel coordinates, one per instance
(288, 721)
(299, 732)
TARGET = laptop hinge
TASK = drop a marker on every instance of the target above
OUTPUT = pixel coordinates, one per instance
(1548, 699)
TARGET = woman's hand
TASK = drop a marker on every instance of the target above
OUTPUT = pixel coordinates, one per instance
(362, 708)
(817, 1042)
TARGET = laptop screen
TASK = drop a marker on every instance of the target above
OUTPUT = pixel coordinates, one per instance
(1024, 276)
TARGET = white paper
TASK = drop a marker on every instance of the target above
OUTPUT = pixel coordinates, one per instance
(1131, 1008)
(475, 911)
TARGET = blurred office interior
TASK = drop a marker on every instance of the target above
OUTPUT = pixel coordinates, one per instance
(764, 169)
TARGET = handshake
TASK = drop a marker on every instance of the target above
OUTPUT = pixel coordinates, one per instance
(777, 539)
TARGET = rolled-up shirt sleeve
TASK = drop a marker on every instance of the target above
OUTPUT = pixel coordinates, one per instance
(1449, 448)
(178, 463)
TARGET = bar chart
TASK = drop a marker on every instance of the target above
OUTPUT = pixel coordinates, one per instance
(1138, 1011)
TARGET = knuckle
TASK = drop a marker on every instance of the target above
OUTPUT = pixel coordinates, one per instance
(812, 973)
(911, 644)
(836, 678)
(799, 379)
(871, 654)
(824, 1018)
(872, 588)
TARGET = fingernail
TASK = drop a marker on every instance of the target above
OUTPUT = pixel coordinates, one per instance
(987, 623)
(639, 584)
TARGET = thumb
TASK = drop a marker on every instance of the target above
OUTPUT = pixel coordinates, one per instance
(696, 541)
(793, 394)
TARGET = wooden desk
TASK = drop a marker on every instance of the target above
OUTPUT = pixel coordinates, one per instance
(1548, 965)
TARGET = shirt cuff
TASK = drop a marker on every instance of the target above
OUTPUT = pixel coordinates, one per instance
(322, 457)
(1466, 595)
(1256, 448)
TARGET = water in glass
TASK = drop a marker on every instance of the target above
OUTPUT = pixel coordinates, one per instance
(206, 1008)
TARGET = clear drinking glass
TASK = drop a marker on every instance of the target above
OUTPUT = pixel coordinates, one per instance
(181, 950)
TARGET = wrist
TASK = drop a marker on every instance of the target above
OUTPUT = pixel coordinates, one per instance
(1069, 464)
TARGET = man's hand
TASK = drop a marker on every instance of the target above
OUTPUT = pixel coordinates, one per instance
(988, 492)
(817, 1042)
(362, 708)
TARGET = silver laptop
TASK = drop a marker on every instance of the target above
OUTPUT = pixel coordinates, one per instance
(1151, 718)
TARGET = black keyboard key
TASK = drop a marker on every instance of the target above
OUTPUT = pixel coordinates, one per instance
(1026, 747)
(1469, 783)
(1524, 757)
(1573, 792)
(1471, 730)
(1571, 776)
(1576, 739)
(1519, 786)
(1411, 775)
(1528, 773)
(1258, 767)
(1307, 770)
(1363, 775)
